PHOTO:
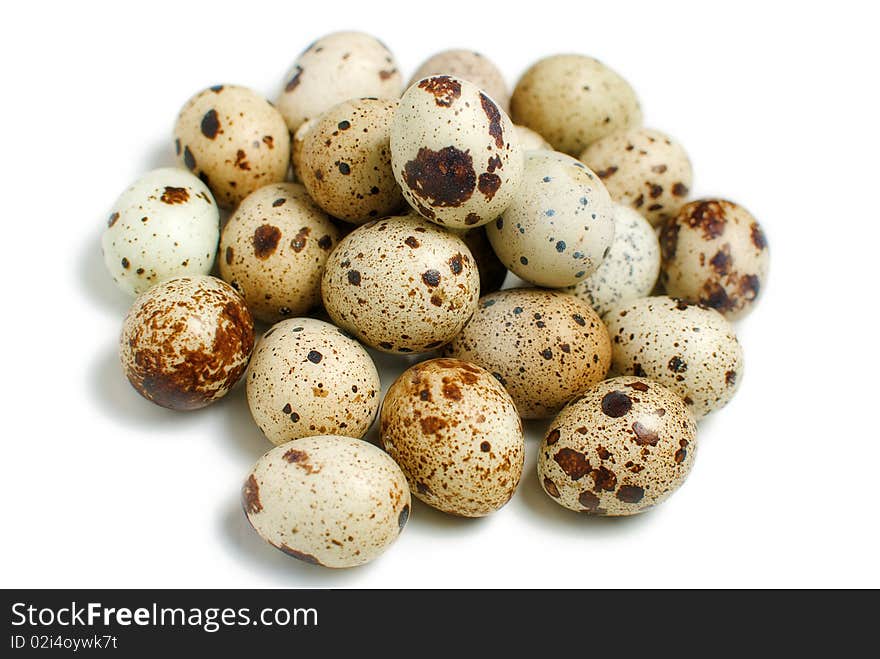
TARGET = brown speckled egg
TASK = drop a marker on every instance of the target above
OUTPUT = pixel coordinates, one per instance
(345, 162)
(308, 377)
(234, 140)
(273, 251)
(335, 68)
(296, 147)
(529, 140)
(560, 224)
(572, 101)
(689, 349)
(455, 153)
(545, 347)
(470, 66)
(329, 500)
(645, 169)
(186, 341)
(455, 433)
(401, 284)
(621, 448)
(492, 270)
(715, 253)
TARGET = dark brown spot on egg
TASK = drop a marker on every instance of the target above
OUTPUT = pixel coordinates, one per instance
(230, 253)
(553, 437)
(445, 89)
(451, 391)
(432, 425)
(112, 220)
(588, 500)
(269, 141)
(411, 241)
(638, 386)
(494, 116)
(189, 159)
(431, 278)
(488, 185)
(550, 488)
(758, 238)
(749, 286)
(644, 435)
(301, 459)
(210, 124)
(266, 238)
(485, 447)
(730, 378)
(721, 261)
(677, 365)
(354, 278)
(573, 463)
(615, 404)
(299, 240)
(250, 496)
(241, 161)
(444, 178)
(607, 172)
(278, 202)
(403, 517)
(709, 216)
(680, 190)
(656, 191)
(603, 479)
(630, 493)
(294, 80)
(455, 264)
(681, 453)
(471, 219)
(315, 357)
(125, 263)
(173, 195)
(300, 555)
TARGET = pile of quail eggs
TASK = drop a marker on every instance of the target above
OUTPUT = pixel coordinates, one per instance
(399, 211)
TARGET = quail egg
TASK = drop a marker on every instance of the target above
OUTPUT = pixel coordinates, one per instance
(455, 433)
(164, 225)
(455, 153)
(560, 224)
(545, 347)
(621, 448)
(715, 253)
(690, 349)
(186, 341)
(329, 500)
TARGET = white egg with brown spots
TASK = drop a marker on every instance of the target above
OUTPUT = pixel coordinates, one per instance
(715, 253)
(164, 225)
(471, 66)
(560, 224)
(306, 378)
(234, 140)
(618, 450)
(327, 500)
(572, 101)
(336, 68)
(544, 346)
(629, 270)
(186, 341)
(455, 153)
(345, 161)
(644, 169)
(690, 349)
(456, 435)
(273, 251)
(401, 284)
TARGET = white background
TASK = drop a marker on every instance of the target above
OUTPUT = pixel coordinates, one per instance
(776, 103)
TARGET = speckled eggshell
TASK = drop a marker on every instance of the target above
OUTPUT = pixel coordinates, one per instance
(630, 269)
(492, 270)
(470, 66)
(234, 140)
(164, 225)
(335, 68)
(572, 101)
(529, 140)
(307, 377)
(346, 161)
(296, 148)
(623, 447)
(560, 224)
(455, 433)
(401, 284)
(545, 347)
(186, 341)
(455, 153)
(329, 500)
(715, 253)
(645, 169)
(273, 251)
(690, 349)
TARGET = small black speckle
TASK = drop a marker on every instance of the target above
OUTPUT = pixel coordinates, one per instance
(523, 260)
(560, 246)
(315, 356)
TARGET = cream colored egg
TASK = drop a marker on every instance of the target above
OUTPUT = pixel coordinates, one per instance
(471, 66)
(401, 284)
(273, 251)
(306, 378)
(544, 346)
(572, 101)
(455, 153)
(715, 253)
(329, 500)
(455, 433)
(644, 169)
(560, 224)
(630, 269)
(336, 68)
(234, 140)
(621, 448)
(692, 350)
(164, 225)
(345, 162)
